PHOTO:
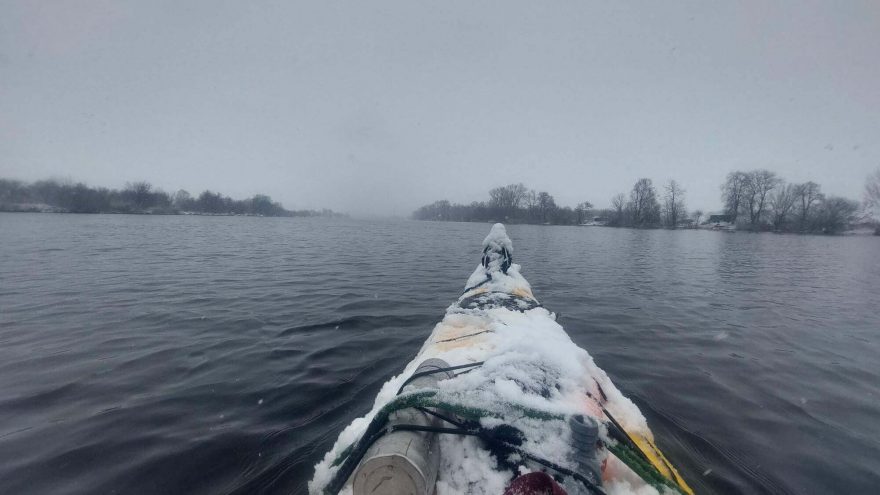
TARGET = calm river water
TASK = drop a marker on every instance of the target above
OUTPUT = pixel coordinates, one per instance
(215, 355)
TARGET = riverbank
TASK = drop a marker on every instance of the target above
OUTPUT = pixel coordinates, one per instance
(137, 198)
(859, 229)
(56, 210)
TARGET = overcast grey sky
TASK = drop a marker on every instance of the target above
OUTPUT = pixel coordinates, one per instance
(378, 107)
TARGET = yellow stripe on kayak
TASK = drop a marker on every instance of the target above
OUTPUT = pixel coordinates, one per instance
(659, 461)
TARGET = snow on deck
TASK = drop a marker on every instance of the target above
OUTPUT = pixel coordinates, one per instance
(529, 362)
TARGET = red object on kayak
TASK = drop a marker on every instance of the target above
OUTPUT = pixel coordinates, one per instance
(534, 484)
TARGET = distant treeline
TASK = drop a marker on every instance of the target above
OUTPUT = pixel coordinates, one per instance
(757, 200)
(514, 203)
(137, 197)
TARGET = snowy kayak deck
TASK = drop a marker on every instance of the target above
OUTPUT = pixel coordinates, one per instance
(533, 378)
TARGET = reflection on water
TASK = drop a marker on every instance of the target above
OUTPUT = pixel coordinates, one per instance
(223, 355)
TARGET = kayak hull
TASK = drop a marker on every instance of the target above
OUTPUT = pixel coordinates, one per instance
(526, 370)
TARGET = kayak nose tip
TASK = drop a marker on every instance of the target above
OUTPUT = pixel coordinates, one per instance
(497, 250)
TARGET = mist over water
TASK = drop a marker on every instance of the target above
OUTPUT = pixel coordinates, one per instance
(177, 354)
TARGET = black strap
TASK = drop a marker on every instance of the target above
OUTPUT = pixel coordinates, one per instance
(436, 370)
(484, 282)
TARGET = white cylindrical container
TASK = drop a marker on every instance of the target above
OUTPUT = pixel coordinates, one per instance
(404, 462)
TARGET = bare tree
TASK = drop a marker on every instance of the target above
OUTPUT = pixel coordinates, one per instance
(872, 199)
(181, 199)
(643, 205)
(13, 192)
(530, 200)
(140, 193)
(872, 192)
(673, 204)
(782, 203)
(836, 214)
(618, 205)
(546, 205)
(582, 210)
(758, 185)
(732, 192)
(807, 195)
(697, 215)
(508, 198)
(443, 208)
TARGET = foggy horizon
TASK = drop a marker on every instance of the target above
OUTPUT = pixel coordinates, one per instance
(375, 110)
(378, 215)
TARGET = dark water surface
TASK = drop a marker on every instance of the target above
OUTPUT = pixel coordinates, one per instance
(223, 355)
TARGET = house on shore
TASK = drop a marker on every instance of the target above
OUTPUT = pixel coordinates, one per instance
(686, 223)
(720, 222)
(596, 222)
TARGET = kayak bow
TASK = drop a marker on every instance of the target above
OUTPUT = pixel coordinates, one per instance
(498, 390)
